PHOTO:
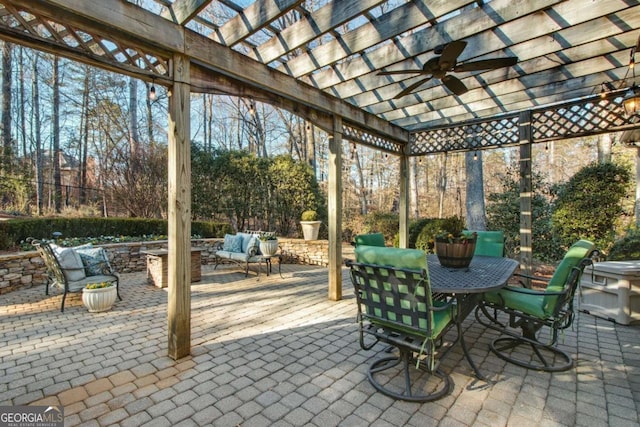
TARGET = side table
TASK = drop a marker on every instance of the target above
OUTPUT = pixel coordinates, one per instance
(158, 266)
(267, 259)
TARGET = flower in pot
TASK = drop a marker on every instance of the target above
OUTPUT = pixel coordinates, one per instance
(453, 246)
(99, 297)
(310, 224)
(268, 243)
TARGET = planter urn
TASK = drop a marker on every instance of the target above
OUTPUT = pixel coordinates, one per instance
(99, 300)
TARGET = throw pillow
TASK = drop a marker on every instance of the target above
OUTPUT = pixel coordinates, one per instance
(94, 260)
(232, 243)
(254, 246)
(70, 262)
(228, 242)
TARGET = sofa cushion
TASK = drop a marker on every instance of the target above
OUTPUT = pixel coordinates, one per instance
(70, 262)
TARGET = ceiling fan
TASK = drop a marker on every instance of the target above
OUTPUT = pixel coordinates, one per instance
(438, 67)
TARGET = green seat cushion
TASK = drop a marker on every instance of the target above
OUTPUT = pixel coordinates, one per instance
(441, 320)
(413, 259)
(530, 303)
(537, 303)
(371, 239)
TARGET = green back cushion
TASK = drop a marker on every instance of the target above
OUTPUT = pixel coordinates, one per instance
(413, 259)
(538, 304)
(372, 239)
(576, 253)
(490, 243)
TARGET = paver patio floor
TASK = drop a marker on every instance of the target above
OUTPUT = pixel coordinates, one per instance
(277, 352)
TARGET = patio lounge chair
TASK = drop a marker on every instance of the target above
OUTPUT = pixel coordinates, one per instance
(396, 306)
(530, 310)
(71, 269)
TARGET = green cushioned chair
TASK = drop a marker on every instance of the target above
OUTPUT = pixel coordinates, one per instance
(371, 239)
(530, 310)
(396, 306)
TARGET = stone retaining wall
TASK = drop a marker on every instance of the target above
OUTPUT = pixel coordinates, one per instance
(26, 269)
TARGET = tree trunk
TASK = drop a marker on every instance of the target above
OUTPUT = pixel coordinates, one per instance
(476, 217)
(413, 185)
(6, 105)
(84, 141)
(38, 140)
(604, 148)
(57, 153)
(442, 183)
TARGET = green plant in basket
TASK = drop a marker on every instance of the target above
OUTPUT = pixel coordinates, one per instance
(99, 285)
(452, 231)
(265, 237)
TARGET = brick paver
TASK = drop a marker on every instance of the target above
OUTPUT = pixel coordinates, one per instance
(277, 352)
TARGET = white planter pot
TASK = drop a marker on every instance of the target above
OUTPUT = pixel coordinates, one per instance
(310, 229)
(97, 300)
(269, 247)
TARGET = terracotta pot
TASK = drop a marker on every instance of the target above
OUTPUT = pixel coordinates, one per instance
(457, 254)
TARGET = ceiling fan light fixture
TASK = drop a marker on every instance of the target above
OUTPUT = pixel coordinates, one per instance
(631, 101)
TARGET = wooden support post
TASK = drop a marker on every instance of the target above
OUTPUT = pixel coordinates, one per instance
(335, 211)
(526, 194)
(179, 174)
(404, 201)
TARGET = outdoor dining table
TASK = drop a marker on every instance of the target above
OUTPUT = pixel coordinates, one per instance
(484, 274)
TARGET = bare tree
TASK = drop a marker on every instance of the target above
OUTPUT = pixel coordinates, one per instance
(57, 153)
(6, 105)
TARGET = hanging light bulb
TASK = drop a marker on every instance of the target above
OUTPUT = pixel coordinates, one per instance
(475, 155)
(252, 108)
(152, 91)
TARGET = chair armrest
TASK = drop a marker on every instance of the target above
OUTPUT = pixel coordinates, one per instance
(531, 291)
(218, 246)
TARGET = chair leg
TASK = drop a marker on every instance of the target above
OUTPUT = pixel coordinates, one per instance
(542, 357)
(524, 349)
(64, 296)
(118, 289)
(430, 386)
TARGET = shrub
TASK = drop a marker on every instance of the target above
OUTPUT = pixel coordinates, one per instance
(13, 232)
(309, 215)
(590, 203)
(626, 248)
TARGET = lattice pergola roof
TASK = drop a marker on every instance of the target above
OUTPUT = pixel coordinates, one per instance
(322, 58)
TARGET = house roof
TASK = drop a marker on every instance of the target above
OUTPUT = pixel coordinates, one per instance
(324, 58)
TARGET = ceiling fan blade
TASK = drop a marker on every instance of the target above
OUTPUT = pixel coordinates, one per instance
(412, 87)
(451, 51)
(487, 64)
(394, 72)
(454, 85)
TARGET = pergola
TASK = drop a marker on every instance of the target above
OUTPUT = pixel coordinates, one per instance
(322, 60)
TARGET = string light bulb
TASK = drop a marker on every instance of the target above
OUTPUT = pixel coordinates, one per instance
(152, 91)
(252, 108)
(475, 155)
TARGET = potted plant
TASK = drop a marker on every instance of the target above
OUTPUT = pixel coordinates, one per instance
(453, 246)
(310, 224)
(99, 297)
(268, 244)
